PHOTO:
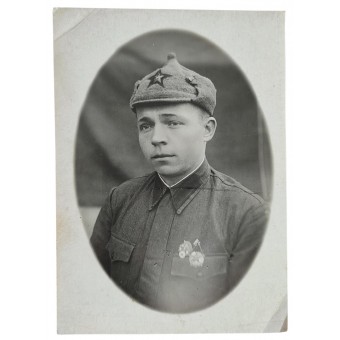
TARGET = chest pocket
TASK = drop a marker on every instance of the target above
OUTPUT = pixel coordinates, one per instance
(119, 250)
(213, 265)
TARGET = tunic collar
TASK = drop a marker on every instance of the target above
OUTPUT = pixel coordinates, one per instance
(183, 192)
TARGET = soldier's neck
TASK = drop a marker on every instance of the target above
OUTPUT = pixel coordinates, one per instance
(171, 184)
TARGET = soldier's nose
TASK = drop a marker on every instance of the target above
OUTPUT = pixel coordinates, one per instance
(158, 136)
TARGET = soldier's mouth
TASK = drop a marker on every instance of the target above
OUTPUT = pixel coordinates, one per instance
(161, 156)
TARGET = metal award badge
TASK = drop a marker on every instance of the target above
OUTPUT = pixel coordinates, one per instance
(196, 258)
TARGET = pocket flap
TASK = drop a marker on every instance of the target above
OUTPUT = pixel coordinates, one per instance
(119, 250)
(213, 265)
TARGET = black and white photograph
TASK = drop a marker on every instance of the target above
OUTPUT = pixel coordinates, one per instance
(170, 171)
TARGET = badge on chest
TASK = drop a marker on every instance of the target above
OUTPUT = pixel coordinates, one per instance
(194, 253)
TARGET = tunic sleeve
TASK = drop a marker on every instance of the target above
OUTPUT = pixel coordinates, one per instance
(102, 232)
(248, 241)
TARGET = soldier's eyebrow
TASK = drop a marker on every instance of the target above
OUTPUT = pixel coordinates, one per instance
(168, 115)
(145, 119)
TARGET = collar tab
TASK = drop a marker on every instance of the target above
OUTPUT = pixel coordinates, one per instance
(183, 192)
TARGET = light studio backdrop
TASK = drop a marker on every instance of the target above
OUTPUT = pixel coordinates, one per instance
(99, 54)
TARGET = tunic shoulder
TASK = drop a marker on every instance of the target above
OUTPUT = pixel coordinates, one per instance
(223, 181)
(131, 187)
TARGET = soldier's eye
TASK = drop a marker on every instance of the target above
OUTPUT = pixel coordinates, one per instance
(144, 127)
(173, 123)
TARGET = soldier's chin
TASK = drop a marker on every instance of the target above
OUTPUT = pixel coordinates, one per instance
(166, 170)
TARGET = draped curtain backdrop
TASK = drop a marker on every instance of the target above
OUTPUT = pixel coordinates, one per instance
(107, 149)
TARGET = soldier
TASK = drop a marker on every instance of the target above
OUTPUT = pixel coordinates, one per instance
(179, 239)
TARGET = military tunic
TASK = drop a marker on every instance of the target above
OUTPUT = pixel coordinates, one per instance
(141, 226)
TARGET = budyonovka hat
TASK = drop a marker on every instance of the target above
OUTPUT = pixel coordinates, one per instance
(173, 83)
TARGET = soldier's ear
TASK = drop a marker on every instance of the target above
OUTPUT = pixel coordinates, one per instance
(210, 126)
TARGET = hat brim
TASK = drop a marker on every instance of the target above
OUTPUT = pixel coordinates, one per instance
(161, 100)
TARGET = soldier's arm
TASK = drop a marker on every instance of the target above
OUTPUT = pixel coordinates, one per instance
(102, 232)
(248, 240)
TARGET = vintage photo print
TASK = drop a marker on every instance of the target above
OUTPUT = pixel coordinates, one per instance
(171, 204)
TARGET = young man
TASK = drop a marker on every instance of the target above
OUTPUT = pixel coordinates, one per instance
(181, 238)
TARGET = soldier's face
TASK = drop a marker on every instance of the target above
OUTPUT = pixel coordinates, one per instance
(173, 138)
